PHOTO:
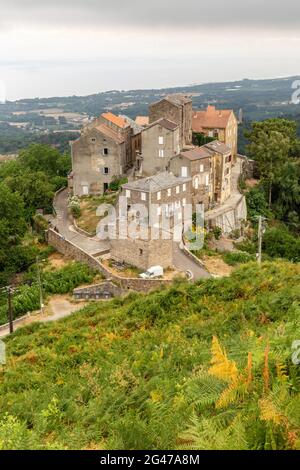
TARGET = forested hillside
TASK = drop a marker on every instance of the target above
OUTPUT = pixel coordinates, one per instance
(205, 366)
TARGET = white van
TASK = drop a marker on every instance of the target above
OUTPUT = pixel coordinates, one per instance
(153, 272)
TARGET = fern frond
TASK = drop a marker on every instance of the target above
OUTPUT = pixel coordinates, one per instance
(222, 367)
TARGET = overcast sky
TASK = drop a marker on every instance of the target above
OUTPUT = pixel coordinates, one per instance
(66, 47)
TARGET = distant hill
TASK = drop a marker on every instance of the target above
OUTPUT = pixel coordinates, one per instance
(258, 99)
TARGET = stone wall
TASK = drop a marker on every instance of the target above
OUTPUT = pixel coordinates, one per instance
(143, 253)
(249, 168)
(89, 162)
(231, 219)
(67, 248)
(105, 290)
(152, 163)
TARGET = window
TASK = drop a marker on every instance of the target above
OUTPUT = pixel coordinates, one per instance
(227, 171)
(159, 195)
(161, 153)
(216, 133)
(105, 187)
(159, 211)
(161, 140)
(105, 151)
(105, 170)
(196, 183)
(128, 193)
(143, 196)
(206, 180)
(93, 140)
(169, 192)
(177, 189)
(201, 168)
(183, 202)
(184, 172)
(184, 187)
(141, 252)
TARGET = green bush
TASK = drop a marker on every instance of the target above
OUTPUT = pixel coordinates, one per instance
(237, 257)
(116, 184)
(279, 243)
(63, 281)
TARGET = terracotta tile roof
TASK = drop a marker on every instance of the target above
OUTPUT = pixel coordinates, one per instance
(211, 118)
(110, 133)
(142, 120)
(166, 123)
(117, 120)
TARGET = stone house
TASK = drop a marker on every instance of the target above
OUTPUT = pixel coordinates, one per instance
(221, 169)
(160, 142)
(220, 124)
(177, 108)
(163, 197)
(209, 167)
(102, 152)
(198, 165)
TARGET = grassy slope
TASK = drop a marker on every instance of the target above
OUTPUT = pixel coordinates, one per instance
(122, 374)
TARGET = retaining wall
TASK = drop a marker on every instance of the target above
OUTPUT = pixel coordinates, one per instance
(68, 248)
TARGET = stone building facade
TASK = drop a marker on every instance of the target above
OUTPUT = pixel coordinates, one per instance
(163, 197)
(209, 167)
(221, 170)
(198, 165)
(221, 124)
(160, 142)
(103, 152)
(177, 108)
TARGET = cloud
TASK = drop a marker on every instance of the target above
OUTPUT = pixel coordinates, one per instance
(269, 14)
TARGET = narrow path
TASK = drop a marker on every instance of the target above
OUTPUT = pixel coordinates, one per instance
(57, 308)
(65, 228)
(183, 262)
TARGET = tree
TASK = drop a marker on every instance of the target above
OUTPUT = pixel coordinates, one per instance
(36, 190)
(271, 150)
(286, 193)
(38, 157)
(12, 228)
(285, 127)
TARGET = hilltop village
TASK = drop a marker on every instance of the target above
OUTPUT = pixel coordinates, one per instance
(161, 164)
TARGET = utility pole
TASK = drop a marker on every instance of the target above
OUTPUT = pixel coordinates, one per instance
(261, 231)
(40, 285)
(10, 310)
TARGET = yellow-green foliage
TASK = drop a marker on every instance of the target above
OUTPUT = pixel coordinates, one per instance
(194, 366)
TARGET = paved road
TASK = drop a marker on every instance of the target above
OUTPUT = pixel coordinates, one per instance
(62, 222)
(183, 262)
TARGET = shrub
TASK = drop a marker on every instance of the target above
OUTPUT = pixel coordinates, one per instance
(217, 231)
(279, 243)
(237, 257)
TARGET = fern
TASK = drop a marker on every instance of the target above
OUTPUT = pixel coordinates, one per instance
(222, 367)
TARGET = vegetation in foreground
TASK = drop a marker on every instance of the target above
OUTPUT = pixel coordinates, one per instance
(194, 366)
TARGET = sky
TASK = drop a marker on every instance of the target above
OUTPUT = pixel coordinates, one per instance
(79, 47)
